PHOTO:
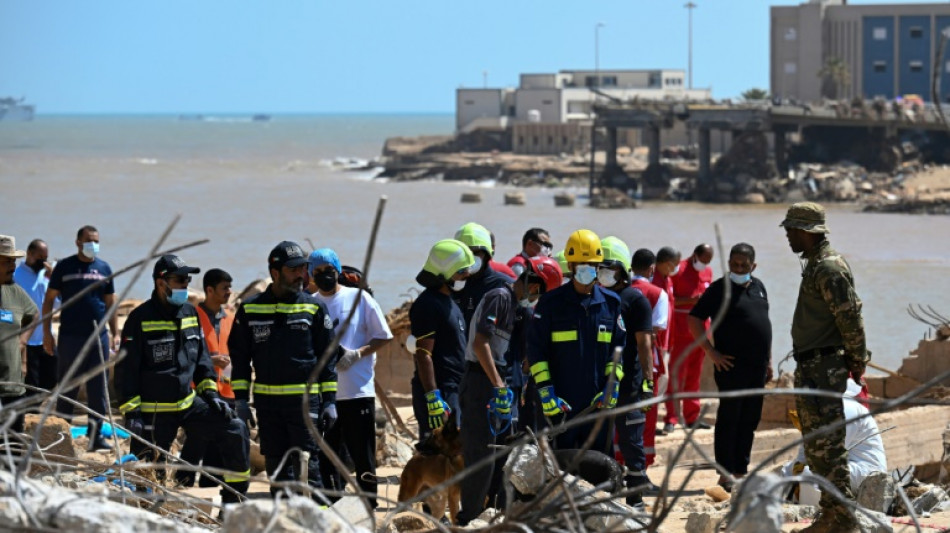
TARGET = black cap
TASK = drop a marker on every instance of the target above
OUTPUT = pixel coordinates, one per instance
(286, 254)
(172, 265)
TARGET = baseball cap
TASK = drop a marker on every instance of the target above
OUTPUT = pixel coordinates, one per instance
(286, 254)
(806, 216)
(172, 265)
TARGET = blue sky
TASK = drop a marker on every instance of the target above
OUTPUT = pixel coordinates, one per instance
(287, 56)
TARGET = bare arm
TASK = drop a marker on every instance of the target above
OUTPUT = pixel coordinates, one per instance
(697, 328)
(483, 352)
(373, 346)
(645, 353)
(424, 366)
(49, 343)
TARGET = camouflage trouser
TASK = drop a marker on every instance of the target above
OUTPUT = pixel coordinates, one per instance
(826, 455)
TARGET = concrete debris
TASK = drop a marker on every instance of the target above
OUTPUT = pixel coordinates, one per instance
(471, 198)
(55, 438)
(704, 522)
(757, 504)
(291, 515)
(930, 499)
(392, 449)
(610, 198)
(411, 522)
(875, 523)
(353, 510)
(514, 198)
(87, 511)
(799, 513)
(877, 492)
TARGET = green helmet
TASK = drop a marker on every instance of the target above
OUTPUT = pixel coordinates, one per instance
(476, 237)
(447, 257)
(615, 252)
(561, 260)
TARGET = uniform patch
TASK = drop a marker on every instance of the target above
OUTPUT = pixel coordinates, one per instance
(492, 319)
(261, 333)
(162, 353)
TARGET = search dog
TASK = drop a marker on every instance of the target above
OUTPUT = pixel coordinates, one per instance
(438, 458)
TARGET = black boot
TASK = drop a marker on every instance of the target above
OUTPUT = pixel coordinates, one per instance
(96, 441)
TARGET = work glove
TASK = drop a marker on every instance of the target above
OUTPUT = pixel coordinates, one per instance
(245, 414)
(217, 404)
(607, 399)
(551, 405)
(328, 417)
(437, 408)
(646, 393)
(134, 422)
(348, 358)
(499, 410)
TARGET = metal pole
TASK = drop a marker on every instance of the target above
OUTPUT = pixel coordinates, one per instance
(689, 7)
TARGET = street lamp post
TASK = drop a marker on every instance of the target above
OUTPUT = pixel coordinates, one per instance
(597, 28)
(689, 7)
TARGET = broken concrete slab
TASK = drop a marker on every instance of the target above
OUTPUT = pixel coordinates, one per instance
(927, 501)
(875, 523)
(757, 505)
(353, 510)
(877, 492)
(296, 514)
(704, 522)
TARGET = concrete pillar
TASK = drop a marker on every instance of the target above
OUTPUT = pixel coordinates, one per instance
(652, 134)
(611, 149)
(781, 151)
(705, 153)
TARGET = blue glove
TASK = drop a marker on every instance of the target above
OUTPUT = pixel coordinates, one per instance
(607, 399)
(437, 408)
(500, 405)
(551, 405)
(328, 417)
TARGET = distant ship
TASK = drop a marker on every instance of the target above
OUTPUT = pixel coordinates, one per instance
(13, 110)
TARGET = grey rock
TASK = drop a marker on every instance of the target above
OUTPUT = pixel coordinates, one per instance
(930, 499)
(704, 522)
(880, 523)
(798, 513)
(877, 492)
(353, 510)
(757, 505)
(293, 515)
(11, 512)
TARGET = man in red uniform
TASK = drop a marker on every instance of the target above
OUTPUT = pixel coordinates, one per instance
(643, 266)
(685, 367)
(667, 266)
(535, 242)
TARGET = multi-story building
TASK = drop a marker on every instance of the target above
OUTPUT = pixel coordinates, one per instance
(887, 50)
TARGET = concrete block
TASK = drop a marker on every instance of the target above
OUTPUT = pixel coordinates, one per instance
(293, 515)
(895, 386)
(880, 523)
(353, 510)
(877, 492)
(875, 386)
(704, 522)
(930, 499)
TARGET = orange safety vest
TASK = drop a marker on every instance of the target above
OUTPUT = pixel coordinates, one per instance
(218, 344)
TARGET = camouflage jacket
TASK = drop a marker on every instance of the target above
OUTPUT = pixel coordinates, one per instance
(828, 312)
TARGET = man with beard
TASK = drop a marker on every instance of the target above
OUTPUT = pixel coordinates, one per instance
(17, 312)
(33, 276)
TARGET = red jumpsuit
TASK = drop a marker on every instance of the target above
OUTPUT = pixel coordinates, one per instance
(689, 283)
(652, 292)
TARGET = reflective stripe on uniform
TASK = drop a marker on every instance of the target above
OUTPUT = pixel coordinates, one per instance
(189, 322)
(564, 336)
(604, 336)
(159, 407)
(284, 390)
(134, 403)
(541, 372)
(328, 386)
(206, 384)
(237, 477)
(266, 309)
(240, 384)
(158, 325)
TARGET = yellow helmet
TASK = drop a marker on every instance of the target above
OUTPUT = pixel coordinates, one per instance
(476, 237)
(447, 257)
(583, 246)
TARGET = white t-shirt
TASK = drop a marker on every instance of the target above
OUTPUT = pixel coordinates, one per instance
(368, 323)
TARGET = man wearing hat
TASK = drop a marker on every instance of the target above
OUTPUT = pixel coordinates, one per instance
(829, 347)
(17, 313)
(167, 380)
(282, 333)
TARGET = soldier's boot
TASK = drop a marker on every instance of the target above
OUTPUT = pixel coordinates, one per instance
(829, 522)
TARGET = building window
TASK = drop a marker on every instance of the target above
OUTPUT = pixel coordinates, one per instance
(880, 66)
(547, 102)
(916, 32)
(791, 34)
(880, 34)
(521, 140)
(564, 140)
(535, 139)
(791, 68)
(609, 81)
(550, 140)
(916, 66)
(470, 102)
(590, 81)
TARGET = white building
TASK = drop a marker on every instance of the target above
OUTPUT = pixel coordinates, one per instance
(566, 96)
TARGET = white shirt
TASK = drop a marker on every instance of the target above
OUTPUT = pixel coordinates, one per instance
(661, 310)
(368, 323)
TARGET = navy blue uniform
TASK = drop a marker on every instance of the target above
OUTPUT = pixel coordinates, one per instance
(475, 288)
(576, 334)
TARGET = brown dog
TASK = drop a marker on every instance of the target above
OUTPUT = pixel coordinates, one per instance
(439, 458)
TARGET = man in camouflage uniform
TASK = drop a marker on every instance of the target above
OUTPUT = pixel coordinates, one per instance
(828, 339)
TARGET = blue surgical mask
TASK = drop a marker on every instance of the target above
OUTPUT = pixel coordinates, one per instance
(585, 274)
(740, 279)
(178, 297)
(90, 249)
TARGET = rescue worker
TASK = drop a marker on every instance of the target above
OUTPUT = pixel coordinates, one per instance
(643, 266)
(686, 368)
(437, 325)
(614, 274)
(282, 333)
(497, 325)
(829, 345)
(565, 272)
(165, 355)
(667, 266)
(483, 277)
(534, 243)
(501, 268)
(215, 324)
(571, 340)
(366, 334)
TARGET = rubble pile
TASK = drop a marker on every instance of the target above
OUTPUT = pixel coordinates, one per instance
(742, 171)
(610, 198)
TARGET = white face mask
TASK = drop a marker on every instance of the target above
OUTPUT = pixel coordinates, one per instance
(699, 265)
(477, 266)
(90, 249)
(457, 285)
(675, 270)
(606, 277)
(527, 303)
(585, 274)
